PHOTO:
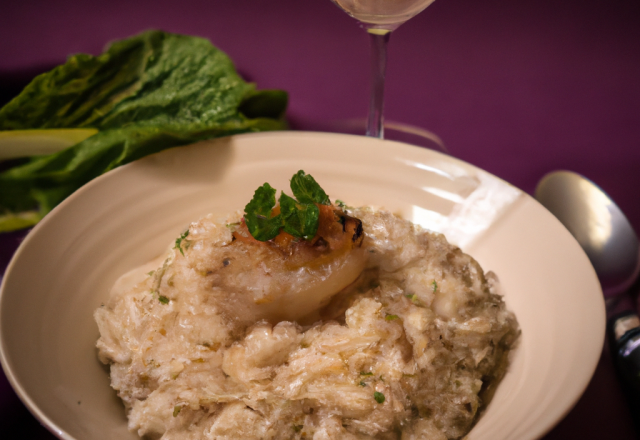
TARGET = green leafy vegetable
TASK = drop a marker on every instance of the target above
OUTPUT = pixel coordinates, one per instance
(391, 317)
(379, 397)
(364, 373)
(297, 217)
(434, 285)
(163, 299)
(22, 143)
(144, 94)
(20, 220)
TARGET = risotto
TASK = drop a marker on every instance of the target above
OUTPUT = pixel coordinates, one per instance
(375, 329)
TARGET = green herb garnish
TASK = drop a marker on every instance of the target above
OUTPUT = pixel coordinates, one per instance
(232, 226)
(176, 410)
(379, 397)
(307, 190)
(163, 299)
(414, 299)
(391, 317)
(364, 373)
(298, 217)
(184, 235)
(257, 214)
(300, 220)
(435, 286)
(362, 384)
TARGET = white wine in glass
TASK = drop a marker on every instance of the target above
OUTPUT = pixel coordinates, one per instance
(379, 18)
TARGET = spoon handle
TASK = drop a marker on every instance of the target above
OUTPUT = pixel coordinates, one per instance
(624, 335)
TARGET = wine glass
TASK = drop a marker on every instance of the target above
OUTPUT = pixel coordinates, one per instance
(379, 18)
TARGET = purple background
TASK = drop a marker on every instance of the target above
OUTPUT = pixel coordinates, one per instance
(519, 88)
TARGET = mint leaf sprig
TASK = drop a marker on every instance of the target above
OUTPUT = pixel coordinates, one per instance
(298, 217)
(257, 214)
(307, 190)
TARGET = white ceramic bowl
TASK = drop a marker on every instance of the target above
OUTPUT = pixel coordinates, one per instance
(65, 267)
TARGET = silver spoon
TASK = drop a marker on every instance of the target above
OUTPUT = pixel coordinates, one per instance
(597, 224)
(609, 241)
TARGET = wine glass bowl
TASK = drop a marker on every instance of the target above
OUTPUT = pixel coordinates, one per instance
(382, 14)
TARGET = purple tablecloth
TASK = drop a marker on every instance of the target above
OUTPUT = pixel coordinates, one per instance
(519, 88)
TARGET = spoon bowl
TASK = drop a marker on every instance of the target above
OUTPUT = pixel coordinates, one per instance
(598, 225)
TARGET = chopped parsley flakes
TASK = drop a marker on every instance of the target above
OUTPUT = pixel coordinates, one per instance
(379, 397)
(179, 240)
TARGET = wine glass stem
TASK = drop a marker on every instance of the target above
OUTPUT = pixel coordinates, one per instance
(379, 40)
